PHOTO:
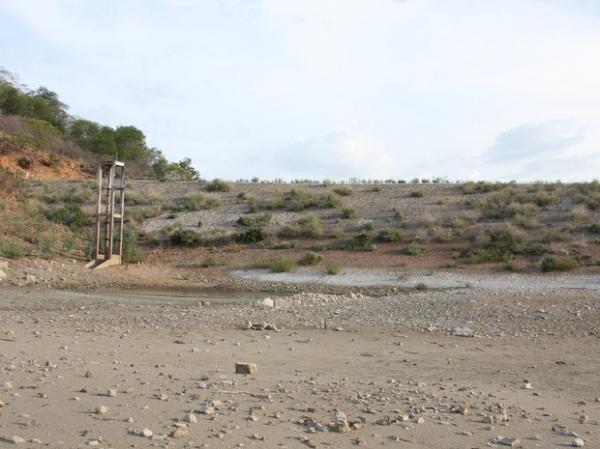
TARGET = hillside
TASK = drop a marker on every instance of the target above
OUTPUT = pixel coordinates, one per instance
(224, 226)
(39, 138)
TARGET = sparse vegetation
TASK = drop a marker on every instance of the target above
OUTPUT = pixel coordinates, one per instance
(334, 268)
(552, 263)
(389, 235)
(343, 191)
(310, 258)
(416, 194)
(10, 249)
(217, 185)
(414, 249)
(361, 242)
(283, 264)
(348, 212)
(309, 226)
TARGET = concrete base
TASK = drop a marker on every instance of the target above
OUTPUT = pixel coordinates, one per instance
(103, 263)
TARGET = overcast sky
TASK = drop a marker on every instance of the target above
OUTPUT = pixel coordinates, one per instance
(506, 89)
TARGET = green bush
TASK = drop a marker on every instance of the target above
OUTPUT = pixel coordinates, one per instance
(399, 215)
(416, 194)
(209, 261)
(69, 215)
(283, 264)
(132, 253)
(594, 228)
(254, 220)
(310, 258)
(361, 242)
(334, 268)
(191, 203)
(414, 249)
(348, 212)
(10, 249)
(552, 263)
(185, 237)
(343, 191)
(389, 235)
(299, 200)
(253, 234)
(309, 226)
(217, 185)
(469, 188)
(421, 286)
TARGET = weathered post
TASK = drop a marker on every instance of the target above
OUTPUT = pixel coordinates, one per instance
(108, 216)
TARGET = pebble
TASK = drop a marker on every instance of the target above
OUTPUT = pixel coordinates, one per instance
(146, 433)
(191, 418)
(101, 410)
(577, 442)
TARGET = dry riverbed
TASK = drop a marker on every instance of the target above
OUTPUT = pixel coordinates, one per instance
(151, 369)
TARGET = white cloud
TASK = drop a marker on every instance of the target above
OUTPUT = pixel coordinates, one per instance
(427, 86)
(352, 152)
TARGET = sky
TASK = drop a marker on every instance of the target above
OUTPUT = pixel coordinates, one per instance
(294, 89)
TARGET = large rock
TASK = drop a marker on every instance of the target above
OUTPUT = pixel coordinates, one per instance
(246, 368)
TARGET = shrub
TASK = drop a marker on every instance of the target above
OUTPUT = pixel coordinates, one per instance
(10, 249)
(132, 253)
(469, 188)
(367, 226)
(24, 162)
(334, 268)
(69, 215)
(310, 258)
(416, 194)
(511, 265)
(414, 249)
(399, 215)
(209, 261)
(348, 212)
(343, 191)
(217, 185)
(185, 237)
(389, 235)
(257, 220)
(283, 264)
(594, 228)
(552, 263)
(421, 286)
(253, 234)
(330, 201)
(309, 226)
(361, 242)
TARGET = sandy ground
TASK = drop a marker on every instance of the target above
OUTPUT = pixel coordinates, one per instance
(96, 368)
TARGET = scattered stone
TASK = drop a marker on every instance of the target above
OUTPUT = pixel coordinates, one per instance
(266, 303)
(463, 332)
(206, 409)
(577, 442)
(180, 432)
(191, 418)
(246, 368)
(146, 433)
(101, 410)
(16, 439)
(112, 393)
(506, 441)
(340, 422)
